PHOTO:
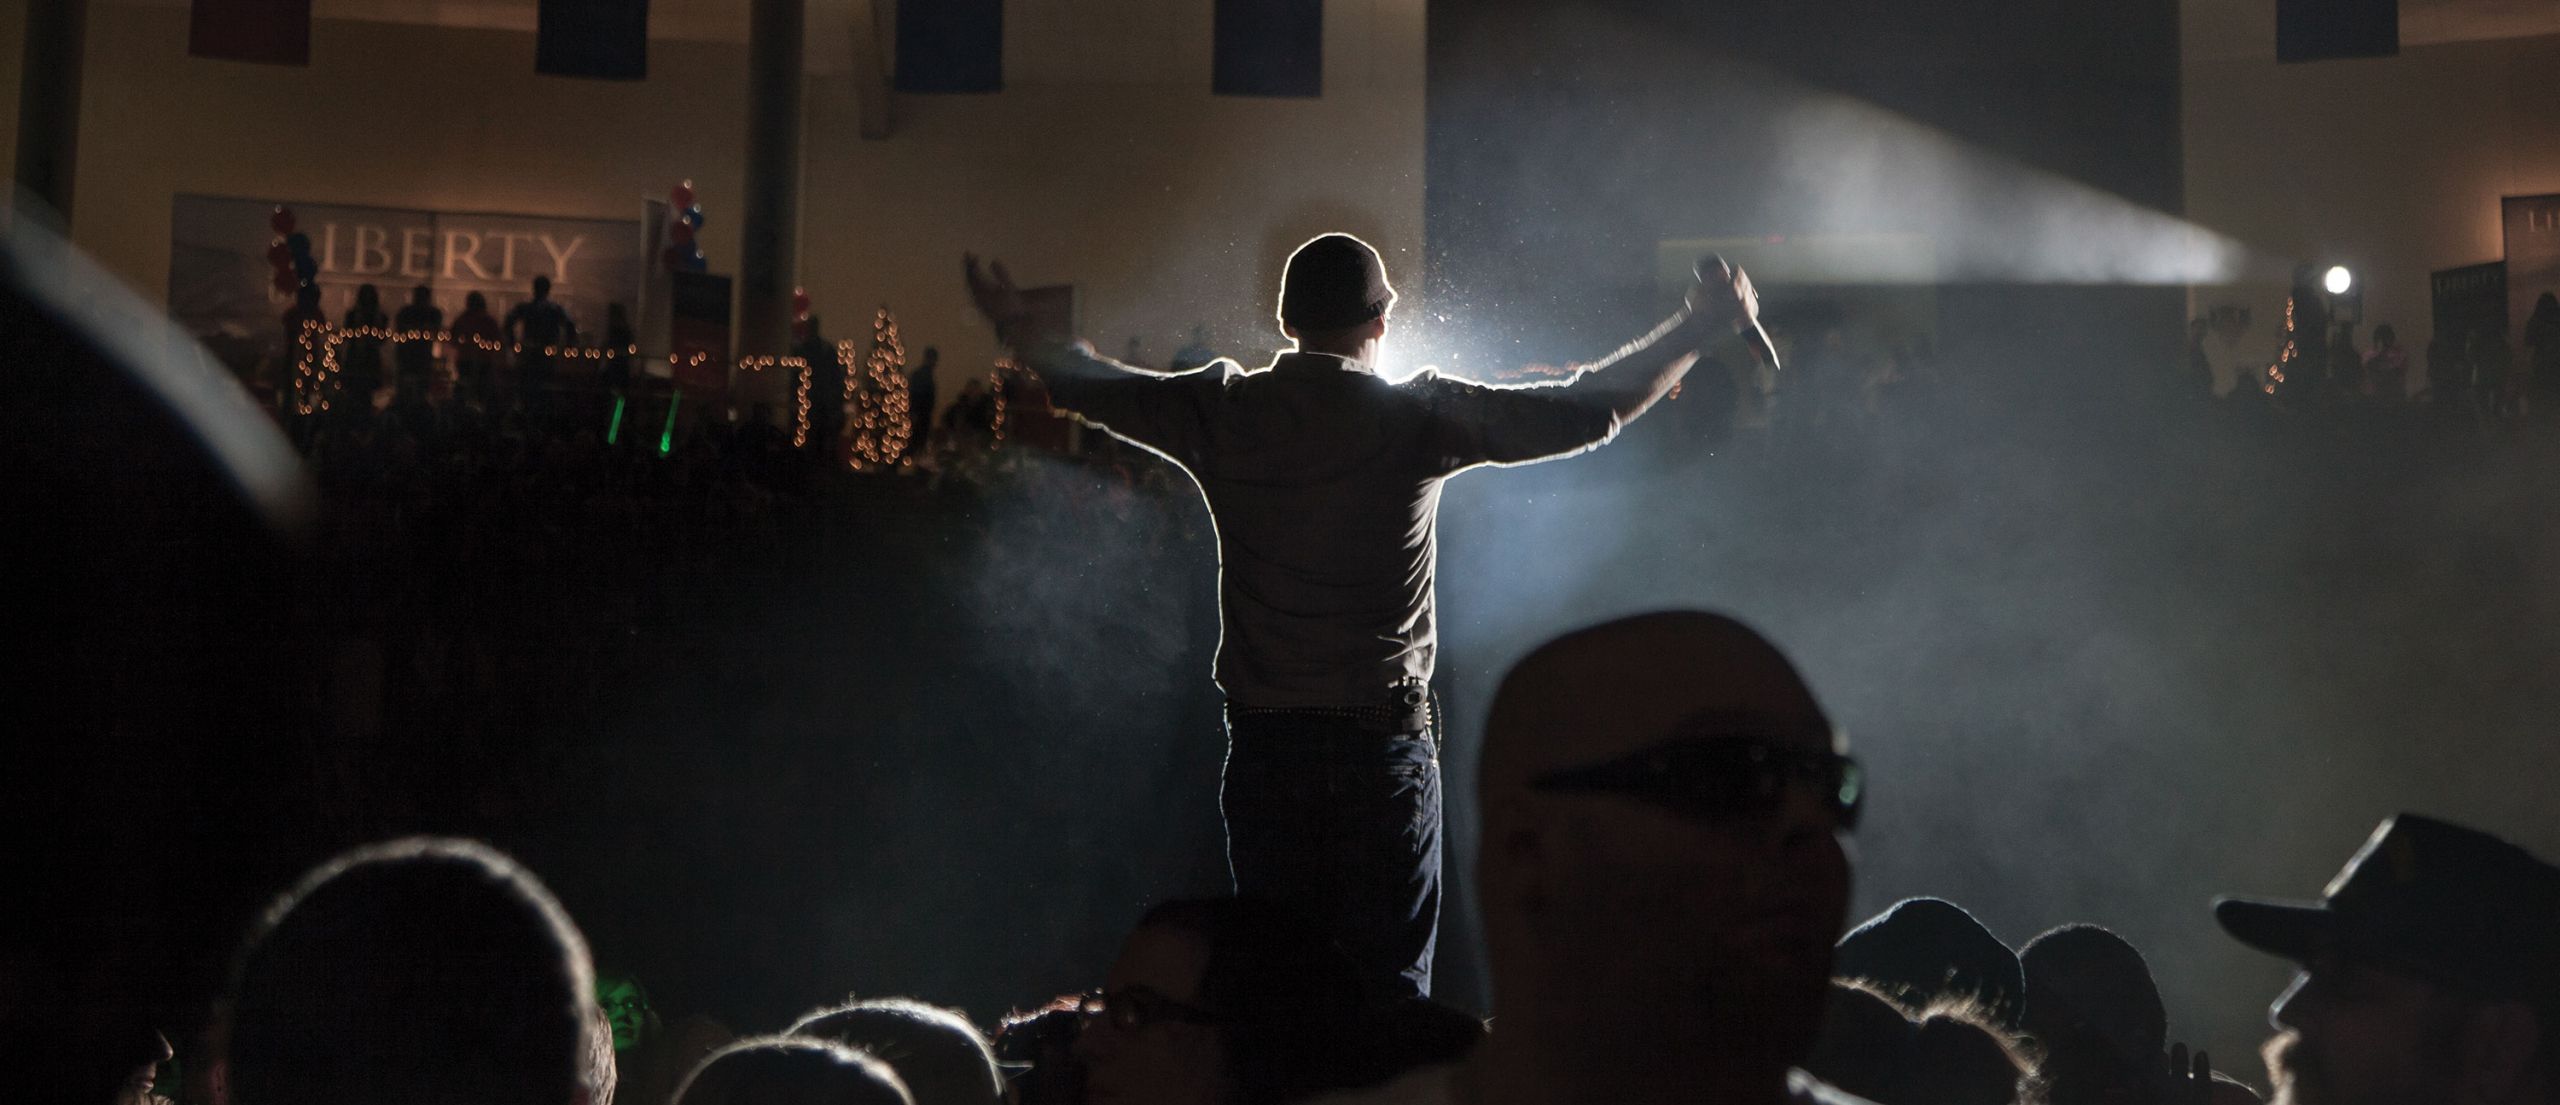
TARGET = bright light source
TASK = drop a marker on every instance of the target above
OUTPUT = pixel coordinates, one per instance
(2338, 280)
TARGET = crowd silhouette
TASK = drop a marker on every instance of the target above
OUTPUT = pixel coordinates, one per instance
(2469, 376)
(1664, 883)
(1665, 887)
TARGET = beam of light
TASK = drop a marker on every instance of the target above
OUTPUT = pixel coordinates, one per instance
(667, 437)
(1802, 185)
(613, 432)
(1780, 154)
(1956, 213)
(2338, 280)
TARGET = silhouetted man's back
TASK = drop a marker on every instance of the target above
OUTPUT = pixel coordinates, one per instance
(1323, 481)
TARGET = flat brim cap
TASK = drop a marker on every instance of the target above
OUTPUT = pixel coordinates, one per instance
(1333, 282)
(2445, 902)
(2291, 930)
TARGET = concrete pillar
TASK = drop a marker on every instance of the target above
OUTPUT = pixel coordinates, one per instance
(49, 100)
(768, 262)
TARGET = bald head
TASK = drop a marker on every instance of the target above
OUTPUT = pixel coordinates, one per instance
(1621, 686)
(1662, 868)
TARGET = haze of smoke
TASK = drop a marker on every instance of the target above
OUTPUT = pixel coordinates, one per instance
(1069, 585)
(1730, 148)
(2095, 686)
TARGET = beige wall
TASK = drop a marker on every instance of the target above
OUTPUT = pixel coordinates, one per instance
(2391, 166)
(1165, 205)
(1106, 162)
(389, 115)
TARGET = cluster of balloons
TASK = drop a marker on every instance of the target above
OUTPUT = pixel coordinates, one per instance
(290, 253)
(800, 314)
(683, 253)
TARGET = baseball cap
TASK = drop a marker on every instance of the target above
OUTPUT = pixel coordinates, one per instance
(2449, 904)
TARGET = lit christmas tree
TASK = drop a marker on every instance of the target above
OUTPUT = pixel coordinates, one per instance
(998, 383)
(800, 403)
(881, 420)
(2290, 358)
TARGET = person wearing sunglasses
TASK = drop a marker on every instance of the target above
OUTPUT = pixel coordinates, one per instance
(1663, 871)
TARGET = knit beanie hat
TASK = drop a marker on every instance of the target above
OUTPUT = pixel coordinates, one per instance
(1333, 282)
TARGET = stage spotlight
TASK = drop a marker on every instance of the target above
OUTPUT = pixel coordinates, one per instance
(2338, 280)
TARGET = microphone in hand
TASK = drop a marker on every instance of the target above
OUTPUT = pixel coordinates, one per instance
(1726, 289)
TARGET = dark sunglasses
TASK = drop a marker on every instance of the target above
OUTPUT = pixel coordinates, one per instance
(1719, 779)
(1137, 1007)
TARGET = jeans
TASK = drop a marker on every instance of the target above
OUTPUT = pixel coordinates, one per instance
(1341, 821)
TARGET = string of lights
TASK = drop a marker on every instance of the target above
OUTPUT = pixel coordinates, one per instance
(448, 337)
(799, 366)
(884, 422)
(2292, 353)
(800, 420)
(316, 354)
(1005, 367)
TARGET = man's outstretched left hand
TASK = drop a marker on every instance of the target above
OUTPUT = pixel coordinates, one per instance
(993, 290)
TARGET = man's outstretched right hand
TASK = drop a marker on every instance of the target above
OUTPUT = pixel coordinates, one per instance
(1723, 299)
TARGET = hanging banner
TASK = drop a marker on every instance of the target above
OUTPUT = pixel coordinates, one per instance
(221, 282)
(2470, 299)
(604, 39)
(2533, 252)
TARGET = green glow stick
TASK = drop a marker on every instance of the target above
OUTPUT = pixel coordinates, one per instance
(667, 439)
(613, 433)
